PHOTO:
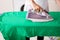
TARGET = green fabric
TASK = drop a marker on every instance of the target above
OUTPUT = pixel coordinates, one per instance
(14, 26)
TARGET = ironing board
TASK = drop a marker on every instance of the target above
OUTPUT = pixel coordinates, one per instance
(14, 26)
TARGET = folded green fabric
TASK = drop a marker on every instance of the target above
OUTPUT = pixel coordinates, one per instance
(15, 26)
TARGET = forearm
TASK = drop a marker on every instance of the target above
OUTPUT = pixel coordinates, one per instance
(35, 6)
(33, 2)
(58, 2)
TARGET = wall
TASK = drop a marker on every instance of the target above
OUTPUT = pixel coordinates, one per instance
(10, 5)
(18, 4)
(6, 5)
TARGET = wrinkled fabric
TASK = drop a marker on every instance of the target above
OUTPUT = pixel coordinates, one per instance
(15, 26)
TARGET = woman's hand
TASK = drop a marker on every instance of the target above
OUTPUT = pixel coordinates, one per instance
(36, 7)
(58, 2)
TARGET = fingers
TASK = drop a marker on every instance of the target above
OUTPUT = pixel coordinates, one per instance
(38, 10)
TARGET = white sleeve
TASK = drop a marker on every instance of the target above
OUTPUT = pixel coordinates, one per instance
(43, 4)
(28, 5)
(53, 6)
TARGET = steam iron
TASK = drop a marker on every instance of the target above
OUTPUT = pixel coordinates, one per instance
(38, 16)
